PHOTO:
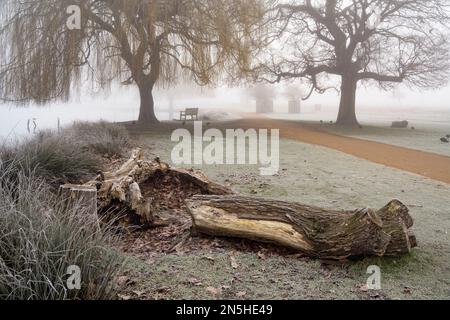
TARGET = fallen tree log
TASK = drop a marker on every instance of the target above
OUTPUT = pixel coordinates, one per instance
(316, 232)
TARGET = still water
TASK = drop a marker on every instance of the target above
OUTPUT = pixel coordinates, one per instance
(118, 105)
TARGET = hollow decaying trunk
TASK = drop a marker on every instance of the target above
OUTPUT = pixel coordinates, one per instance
(315, 232)
(122, 193)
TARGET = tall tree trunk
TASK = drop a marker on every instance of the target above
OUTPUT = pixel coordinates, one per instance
(347, 106)
(147, 109)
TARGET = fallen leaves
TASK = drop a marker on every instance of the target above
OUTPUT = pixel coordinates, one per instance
(163, 290)
(364, 288)
(209, 258)
(234, 263)
(407, 290)
(213, 291)
(138, 293)
(124, 281)
(194, 282)
(261, 255)
(124, 297)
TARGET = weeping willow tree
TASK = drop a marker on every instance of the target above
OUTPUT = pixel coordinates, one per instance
(144, 42)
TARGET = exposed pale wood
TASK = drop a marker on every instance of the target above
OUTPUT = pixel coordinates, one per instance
(316, 232)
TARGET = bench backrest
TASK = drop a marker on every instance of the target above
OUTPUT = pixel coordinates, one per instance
(191, 111)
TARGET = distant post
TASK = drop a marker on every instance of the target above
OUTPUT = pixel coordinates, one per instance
(264, 106)
(294, 107)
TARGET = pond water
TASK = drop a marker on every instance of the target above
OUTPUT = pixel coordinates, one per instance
(119, 105)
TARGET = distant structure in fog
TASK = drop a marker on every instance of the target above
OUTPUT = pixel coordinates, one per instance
(264, 96)
(295, 106)
(264, 106)
(294, 94)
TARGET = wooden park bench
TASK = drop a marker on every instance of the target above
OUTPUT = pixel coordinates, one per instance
(189, 114)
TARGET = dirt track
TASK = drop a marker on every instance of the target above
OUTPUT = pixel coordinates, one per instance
(426, 164)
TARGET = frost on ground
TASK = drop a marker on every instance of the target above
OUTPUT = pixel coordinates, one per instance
(224, 269)
(424, 131)
(424, 137)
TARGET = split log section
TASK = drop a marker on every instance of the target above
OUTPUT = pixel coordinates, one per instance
(316, 232)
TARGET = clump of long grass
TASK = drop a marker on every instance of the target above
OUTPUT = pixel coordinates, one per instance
(40, 238)
(56, 159)
(69, 156)
(103, 138)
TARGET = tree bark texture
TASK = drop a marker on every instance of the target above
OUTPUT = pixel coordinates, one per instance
(316, 232)
(347, 106)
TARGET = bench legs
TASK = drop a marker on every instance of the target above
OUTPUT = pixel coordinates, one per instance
(185, 117)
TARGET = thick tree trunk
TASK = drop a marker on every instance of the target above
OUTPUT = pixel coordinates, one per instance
(318, 233)
(147, 108)
(347, 106)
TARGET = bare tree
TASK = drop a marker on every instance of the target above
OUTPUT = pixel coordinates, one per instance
(146, 42)
(359, 41)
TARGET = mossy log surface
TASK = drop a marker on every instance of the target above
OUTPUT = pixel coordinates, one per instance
(316, 232)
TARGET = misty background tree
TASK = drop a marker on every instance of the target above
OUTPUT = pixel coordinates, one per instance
(145, 42)
(264, 96)
(294, 94)
(385, 42)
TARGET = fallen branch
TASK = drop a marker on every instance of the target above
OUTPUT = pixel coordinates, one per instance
(318, 233)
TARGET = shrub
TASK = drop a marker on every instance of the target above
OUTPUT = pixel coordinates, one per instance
(40, 238)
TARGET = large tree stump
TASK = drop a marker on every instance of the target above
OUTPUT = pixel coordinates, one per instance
(123, 194)
(316, 232)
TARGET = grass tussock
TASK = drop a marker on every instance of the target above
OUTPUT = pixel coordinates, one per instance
(66, 157)
(40, 238)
